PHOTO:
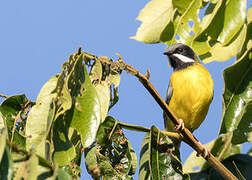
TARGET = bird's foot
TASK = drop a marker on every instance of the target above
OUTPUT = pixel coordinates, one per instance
(205, 152)
(180, 126)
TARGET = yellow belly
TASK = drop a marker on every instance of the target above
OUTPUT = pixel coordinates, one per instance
(192, 95)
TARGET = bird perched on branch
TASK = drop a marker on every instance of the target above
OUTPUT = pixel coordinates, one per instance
(190, 90)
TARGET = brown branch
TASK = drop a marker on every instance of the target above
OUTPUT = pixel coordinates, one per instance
(187, 135)
(4, 96)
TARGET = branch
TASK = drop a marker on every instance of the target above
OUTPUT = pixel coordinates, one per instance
(187, 135)
(4, 96)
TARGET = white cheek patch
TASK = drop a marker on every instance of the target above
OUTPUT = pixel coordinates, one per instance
(184, 58)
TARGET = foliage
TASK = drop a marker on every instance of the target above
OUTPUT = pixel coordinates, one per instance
(45, 139)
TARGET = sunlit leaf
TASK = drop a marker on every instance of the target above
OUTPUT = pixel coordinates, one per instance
(234, 18)
(219, 52)
(210, 26)
(247, 43)
(183, 23)
(86, 117)
(103, 94)
(40, 118)
(91, 161)
(62, 175)
(156, 18)
(2, 121)
(3, 137)
(114, 78)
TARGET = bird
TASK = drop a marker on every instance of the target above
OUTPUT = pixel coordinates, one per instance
(190, 90)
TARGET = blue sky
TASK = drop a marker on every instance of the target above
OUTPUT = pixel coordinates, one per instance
(36, 37)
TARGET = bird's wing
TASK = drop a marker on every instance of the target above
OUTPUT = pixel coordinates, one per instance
(167, 100)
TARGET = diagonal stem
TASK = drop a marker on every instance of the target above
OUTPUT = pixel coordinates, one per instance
(187, 135)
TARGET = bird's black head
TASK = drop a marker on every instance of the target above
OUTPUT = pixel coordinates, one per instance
(180, 56)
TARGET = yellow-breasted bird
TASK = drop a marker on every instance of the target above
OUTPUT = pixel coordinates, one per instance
(190, 90)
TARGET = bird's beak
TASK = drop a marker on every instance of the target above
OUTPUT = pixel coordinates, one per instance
(167, 53)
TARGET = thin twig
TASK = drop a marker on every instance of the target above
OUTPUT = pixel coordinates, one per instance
(4, 96)
(187, 135)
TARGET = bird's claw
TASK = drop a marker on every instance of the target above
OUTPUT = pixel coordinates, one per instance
(180, 126)
(204, 154)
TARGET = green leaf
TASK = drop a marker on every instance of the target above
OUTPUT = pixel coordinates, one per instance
(87, 112)
(40, 118)
(243, 163)
(96, 72)
(237, 98)
(181, 5)
(2, 121)
(3, 138)
(104, 132)
(156, 17)
(62, 175)
(234, 17)
(210, 26)
(113, 156)
(114, 78)
(6, 165)
(114, 97)
(64, 151)
(91, 162)
(182, 27)
(219, 52)
(217, 38)
(133, 159)
(247, 42)
(221, 148)
(158, 158)
(32, 166)
(12, 109)
(103, 94)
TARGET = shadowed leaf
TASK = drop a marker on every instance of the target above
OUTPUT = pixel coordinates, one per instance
(238, 98)
(158, 158)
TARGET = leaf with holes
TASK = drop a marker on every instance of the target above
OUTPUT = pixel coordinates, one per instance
(219, 52)
(158, 158)
(184, 22)
(12, 109)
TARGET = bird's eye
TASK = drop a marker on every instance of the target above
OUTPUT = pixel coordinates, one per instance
(179, 50)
